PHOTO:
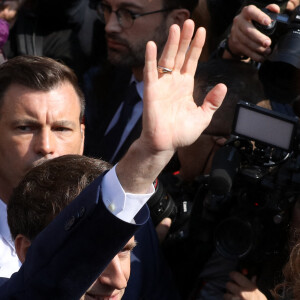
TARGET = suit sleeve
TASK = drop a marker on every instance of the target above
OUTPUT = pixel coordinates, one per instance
(73, 250)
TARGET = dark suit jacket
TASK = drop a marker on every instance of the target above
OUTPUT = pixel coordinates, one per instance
(72, 251)
(104, 90)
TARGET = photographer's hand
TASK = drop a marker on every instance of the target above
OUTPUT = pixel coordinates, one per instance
(171, 119)
(292, 4)
(245, 39)
(241, 288)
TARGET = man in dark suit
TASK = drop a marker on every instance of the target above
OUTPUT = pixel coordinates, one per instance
(40, 119)
(42, 195)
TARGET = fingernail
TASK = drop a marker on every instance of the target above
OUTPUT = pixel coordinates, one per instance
(268, 51)
(267, 43)
(166, 222)
(266, 21)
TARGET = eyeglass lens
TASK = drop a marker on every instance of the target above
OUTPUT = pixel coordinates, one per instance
(124, 16)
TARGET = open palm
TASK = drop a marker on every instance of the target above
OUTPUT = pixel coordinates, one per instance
(171, 119)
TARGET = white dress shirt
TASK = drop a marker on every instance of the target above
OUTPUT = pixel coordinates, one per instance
(9, 262)
(123, 205)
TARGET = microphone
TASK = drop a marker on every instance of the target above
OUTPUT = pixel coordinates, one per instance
(225, 165)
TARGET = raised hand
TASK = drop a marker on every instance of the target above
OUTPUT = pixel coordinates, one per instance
(171, 119)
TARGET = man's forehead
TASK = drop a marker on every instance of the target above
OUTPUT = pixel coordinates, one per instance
(61, 100)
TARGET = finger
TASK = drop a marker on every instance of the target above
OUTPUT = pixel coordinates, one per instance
(192, 57)
(150, 68)
(241, 280)
(185, 40)
(231, 297)
(249, 33)
(233, 288)
(253, 279)
(163, 228)
(228, 296)
(242, 44)
(214, 98)
(249, 48)
(292, 4)
(245, 39)
(167, 58)
(273, 8)
(253, 13)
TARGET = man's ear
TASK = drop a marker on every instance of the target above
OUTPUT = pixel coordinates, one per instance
(178, 16)
(22, 243)
(82, 131)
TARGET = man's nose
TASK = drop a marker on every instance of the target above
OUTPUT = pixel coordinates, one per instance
(44, 142)
(112, 24)
(113, 275)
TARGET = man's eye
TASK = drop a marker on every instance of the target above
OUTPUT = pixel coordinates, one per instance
(25, 128)
(62, 129)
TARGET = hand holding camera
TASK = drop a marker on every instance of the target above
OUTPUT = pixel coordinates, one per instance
(245, 39)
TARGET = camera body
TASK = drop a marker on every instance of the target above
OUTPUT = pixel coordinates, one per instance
(256, 179)
(284, 31)
(281, 23)
(280, 72)
(243, 207)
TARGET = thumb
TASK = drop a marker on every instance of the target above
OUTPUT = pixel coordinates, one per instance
(274, 8)
(162, 229)
(214, 98)
(253, 279)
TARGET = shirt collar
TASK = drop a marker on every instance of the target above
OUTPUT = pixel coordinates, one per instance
(4, 229)
(139, 86)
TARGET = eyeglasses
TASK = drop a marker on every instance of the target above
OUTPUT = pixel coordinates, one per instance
(125, 17)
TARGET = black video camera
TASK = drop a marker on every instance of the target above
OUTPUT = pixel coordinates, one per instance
(284, 30)
(280, 73)
(254, 183)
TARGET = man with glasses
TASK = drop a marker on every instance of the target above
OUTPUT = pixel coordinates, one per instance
(128, 27)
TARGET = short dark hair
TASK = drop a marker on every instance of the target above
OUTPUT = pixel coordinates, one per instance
(47, 189)
(38, 73)
(188, 4)
(242, 84)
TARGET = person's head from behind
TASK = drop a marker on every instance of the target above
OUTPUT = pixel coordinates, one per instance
(43, 193)
(41, 112)
(129, 25)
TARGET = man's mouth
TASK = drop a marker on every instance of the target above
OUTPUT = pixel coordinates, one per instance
(115, 44)
(114, 41)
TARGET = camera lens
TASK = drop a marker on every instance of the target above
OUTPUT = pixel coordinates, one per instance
(234, 238)
(161, 205)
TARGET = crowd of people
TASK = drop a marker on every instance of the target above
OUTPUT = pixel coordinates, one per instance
(103, 103)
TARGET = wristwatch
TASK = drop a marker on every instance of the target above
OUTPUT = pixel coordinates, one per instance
(224, 46)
